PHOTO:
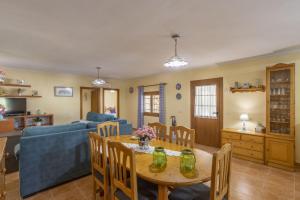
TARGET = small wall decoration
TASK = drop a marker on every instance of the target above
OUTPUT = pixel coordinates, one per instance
(131, 90)
(63, 91)
(178, 96)
(178, 86)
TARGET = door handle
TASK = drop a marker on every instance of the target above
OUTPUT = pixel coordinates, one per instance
(215, 113)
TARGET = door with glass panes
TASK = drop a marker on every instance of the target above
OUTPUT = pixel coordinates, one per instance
(207, 110)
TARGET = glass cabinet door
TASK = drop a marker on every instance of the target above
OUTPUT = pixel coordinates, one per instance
(280, 100)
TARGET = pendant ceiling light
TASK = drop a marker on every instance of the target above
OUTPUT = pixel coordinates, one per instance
(175, 61)
(98, 82)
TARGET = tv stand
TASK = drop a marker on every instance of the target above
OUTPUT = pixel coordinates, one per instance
(22, 121)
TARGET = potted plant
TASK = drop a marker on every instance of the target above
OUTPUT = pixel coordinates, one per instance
(38, 121)
(145, 135)
(2, 111)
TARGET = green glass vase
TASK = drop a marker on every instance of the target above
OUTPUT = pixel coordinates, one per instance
(187, 162)
(159, 158)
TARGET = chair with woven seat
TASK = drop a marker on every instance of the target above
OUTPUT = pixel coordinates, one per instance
(220, 180)
(99, 165)
(160, 130)
(122, 165)
(182, 136)
(109, 128)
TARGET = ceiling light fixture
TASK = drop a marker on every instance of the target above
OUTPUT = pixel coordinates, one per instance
(175, 61)
(98, 82)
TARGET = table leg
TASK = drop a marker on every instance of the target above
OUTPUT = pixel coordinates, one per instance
(162, 192)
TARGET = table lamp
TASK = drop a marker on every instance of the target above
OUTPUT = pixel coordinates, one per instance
(244, 117)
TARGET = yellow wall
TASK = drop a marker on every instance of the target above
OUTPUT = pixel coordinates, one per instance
(65, 109)
(234, 104)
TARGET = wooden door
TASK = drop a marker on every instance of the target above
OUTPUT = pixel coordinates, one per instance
(95, 100)
(207, 110)
(280, 152)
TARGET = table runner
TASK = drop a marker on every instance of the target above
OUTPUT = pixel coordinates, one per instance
(150, 149)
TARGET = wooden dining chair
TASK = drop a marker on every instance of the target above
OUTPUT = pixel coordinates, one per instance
(160, 130)
(109, 128)
(182, 136)
(220, 180)
(98, 165)
(123, 165)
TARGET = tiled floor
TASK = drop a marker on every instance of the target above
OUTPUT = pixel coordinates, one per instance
(249, 181)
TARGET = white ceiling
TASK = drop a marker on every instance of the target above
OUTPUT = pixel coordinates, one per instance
(130, 38)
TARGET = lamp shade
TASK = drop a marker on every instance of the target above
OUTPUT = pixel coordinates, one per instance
(244, 117)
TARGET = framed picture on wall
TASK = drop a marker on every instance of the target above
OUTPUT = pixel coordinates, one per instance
(63, 91)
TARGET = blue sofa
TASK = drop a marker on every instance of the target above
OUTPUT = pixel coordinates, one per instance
(51, 155)
(95, 118)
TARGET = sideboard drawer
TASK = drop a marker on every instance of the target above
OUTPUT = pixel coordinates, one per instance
(251, 138)
(250, 146)
(229, 135)
(249, 153)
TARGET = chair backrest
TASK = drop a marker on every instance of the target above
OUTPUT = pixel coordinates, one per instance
(122, 164)
(183, 136)
(98, 154)
(160, 130)
(109, 128)
(220, 177)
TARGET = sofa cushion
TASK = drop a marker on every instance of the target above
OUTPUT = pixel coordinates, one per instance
(43, 130)
(121, 121)
(93, 124)
(109, 117)
(97, 117)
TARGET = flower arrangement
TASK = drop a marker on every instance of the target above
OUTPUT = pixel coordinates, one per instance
(2, 76)
(2, 109)
(145, 133)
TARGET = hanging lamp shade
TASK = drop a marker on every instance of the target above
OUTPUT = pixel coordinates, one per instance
(175, 61)
(98, 82)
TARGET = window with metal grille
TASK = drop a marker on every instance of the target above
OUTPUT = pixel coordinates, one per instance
(206, 101)
(151, 103)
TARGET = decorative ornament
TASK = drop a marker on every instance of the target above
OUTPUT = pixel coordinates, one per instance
(178, 86)
(131, 90)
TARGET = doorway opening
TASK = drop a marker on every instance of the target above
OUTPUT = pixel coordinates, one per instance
(89, 101)
(111, 101)
(207, 110)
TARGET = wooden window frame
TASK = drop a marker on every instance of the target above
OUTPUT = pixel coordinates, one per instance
(151, 94)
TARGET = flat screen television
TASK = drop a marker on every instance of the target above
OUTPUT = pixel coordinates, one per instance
(14, 106)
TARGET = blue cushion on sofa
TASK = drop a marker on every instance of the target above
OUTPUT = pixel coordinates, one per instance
(109, 117)
(91, 116)
(121, 121)
(97, 117)
(93, 124)
(43, 130)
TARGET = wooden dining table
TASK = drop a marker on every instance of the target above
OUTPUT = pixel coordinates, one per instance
(170, 176)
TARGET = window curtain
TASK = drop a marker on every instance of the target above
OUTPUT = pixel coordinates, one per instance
(140, 106)
(162, 103)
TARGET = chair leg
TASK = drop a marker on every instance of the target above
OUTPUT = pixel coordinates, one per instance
(94, 189)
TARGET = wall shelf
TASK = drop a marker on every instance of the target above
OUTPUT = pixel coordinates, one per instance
(22, 96)
(13, 85)
(253, 89)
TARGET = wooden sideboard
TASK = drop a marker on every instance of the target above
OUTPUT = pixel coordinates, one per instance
(22, 121)
(2, 168)
(246, 145)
